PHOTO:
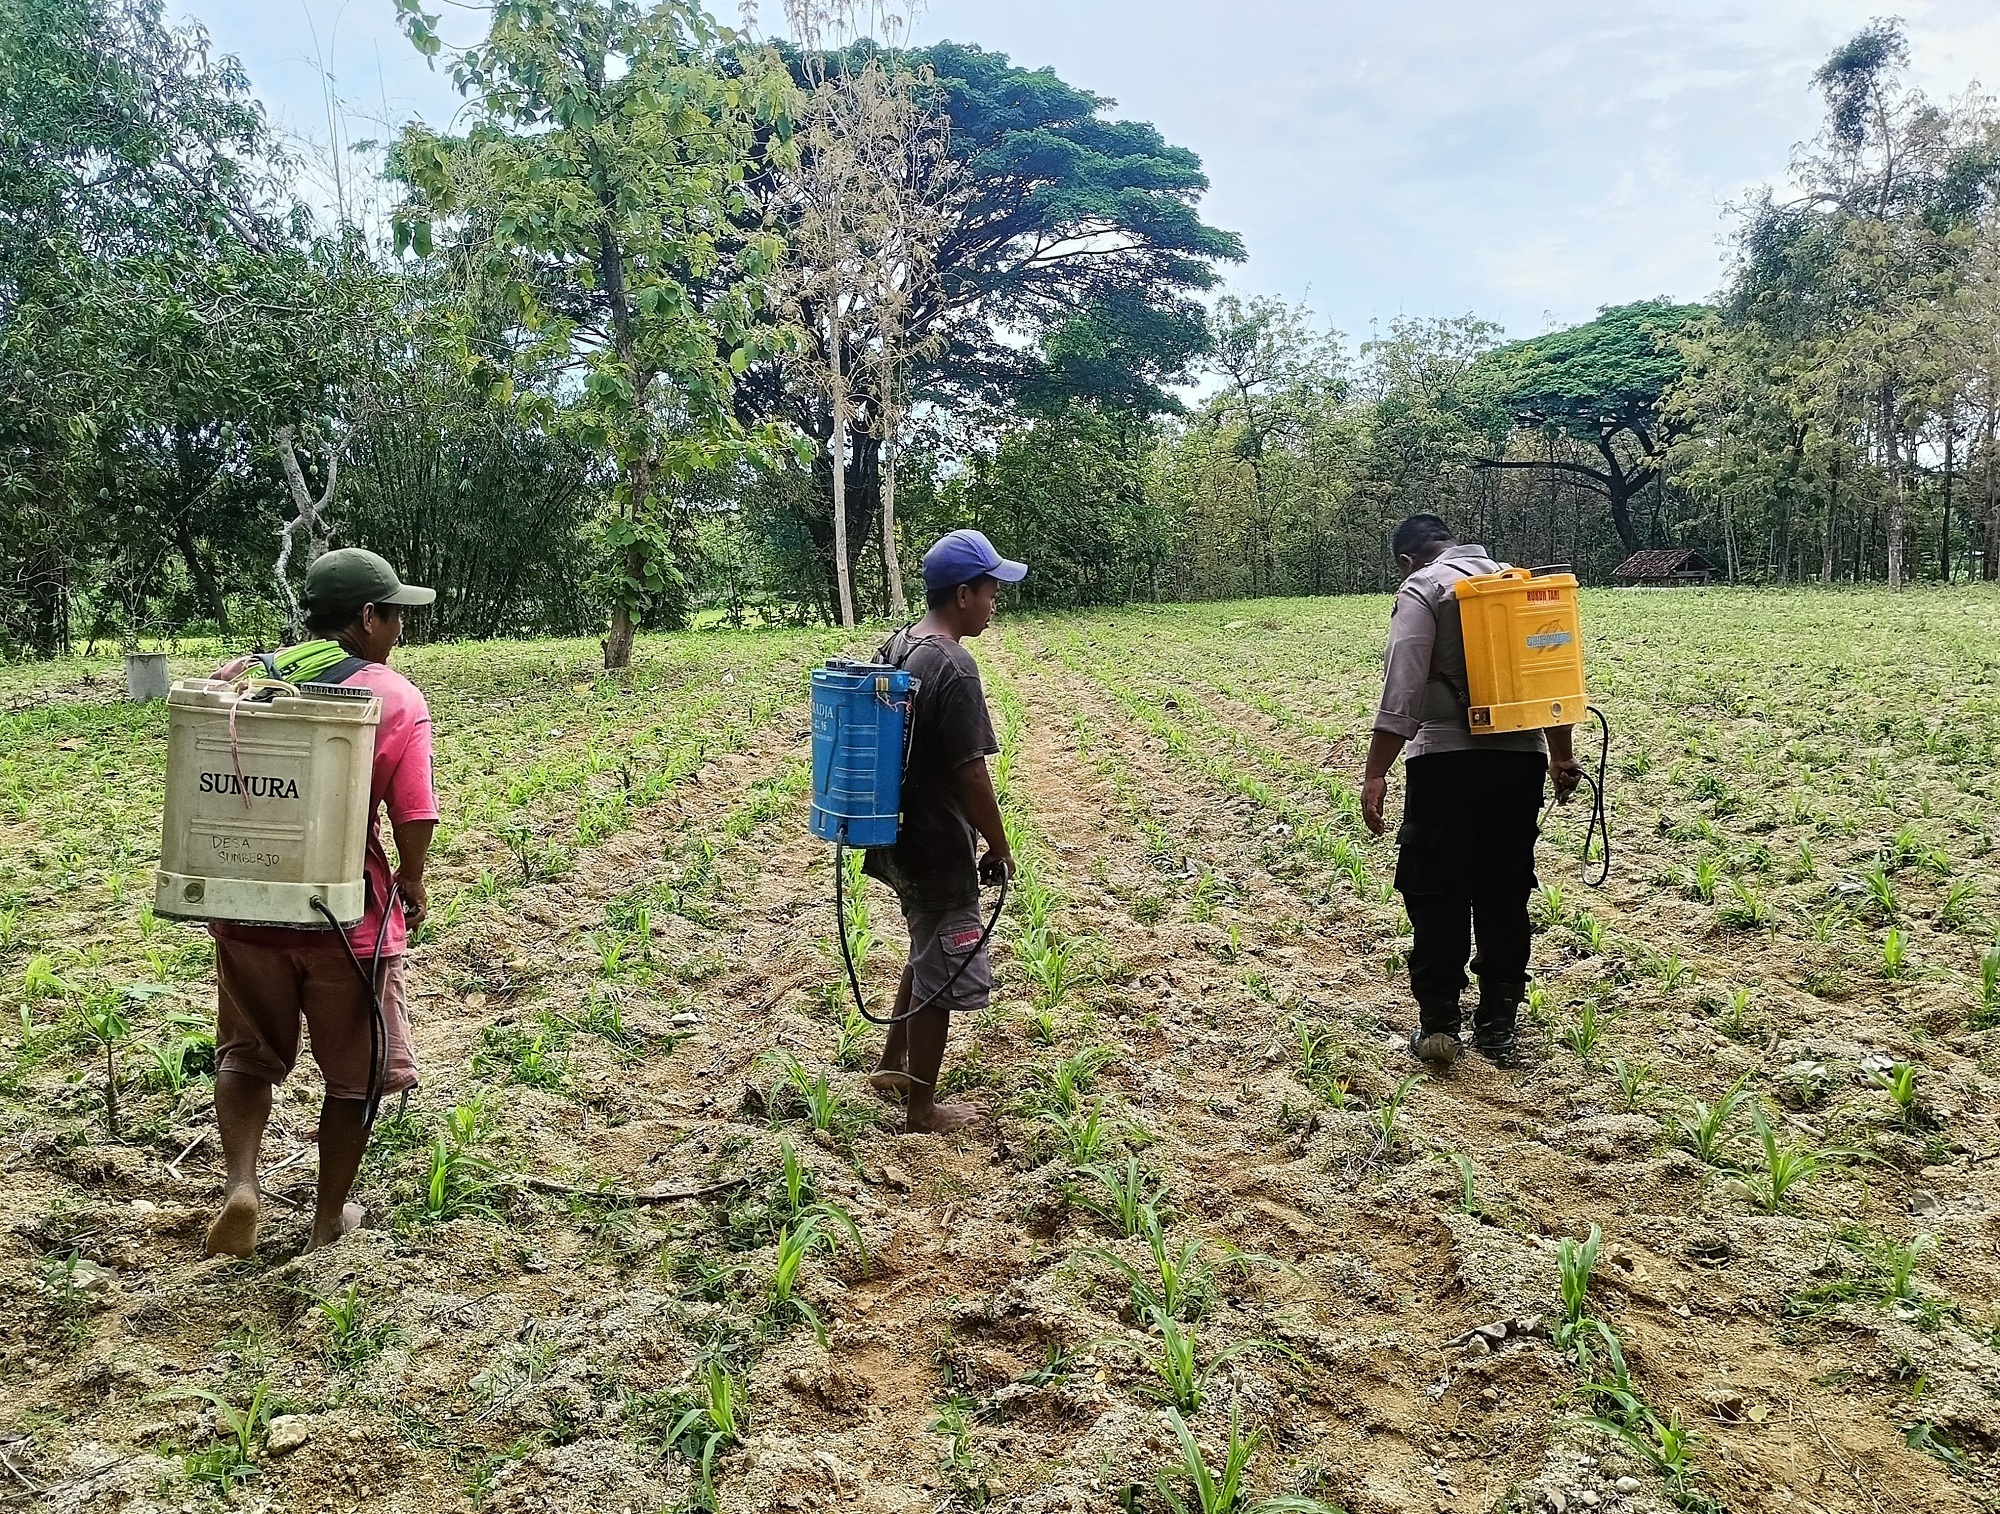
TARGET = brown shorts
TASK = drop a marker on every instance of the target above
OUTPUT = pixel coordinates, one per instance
(940, 942)
(264, 993)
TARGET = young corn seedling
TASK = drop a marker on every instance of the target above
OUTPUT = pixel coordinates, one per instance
(1699, 882)
(795, 1244)
(1895, 953)
(811, 1094)
(1550, 906)
(1786, 1166)
(1634, 1078)
(1956, 911)
(1585, 1029)
(1053, 972)
(851, 1045)
(1575, 1262)
(859, 923)
(1901, 1083)
(1180, 1284)
(1899, 1261)
(1319, 1053)
(233, 1460)
(1083, 1135)
(714, 1424)
(1179, 1377)
(1059, 1087)
(1671, 972)
(1881, 893)
(1989, 986)
(963, 1468)
(1666, 1444)
(1705, 1128)
(1747, 909)
(351, 1337)
(1468, 1177)
(1131, 1198)
(1227, 1491)
(1590, 931)
(1390, 1110)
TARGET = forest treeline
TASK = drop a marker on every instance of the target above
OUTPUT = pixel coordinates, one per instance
(677, 321)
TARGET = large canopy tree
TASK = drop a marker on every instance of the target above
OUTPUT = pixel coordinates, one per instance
(597, 203)
(1853, 286)
(1071, 236)
(165, 313)
(1600, 385)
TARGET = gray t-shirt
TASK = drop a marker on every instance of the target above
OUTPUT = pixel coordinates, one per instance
(1424, 696)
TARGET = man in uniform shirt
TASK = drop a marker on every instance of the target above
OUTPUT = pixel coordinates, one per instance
(948, 803)
(1466, 847)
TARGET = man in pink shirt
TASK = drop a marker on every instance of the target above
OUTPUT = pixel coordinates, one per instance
(272, 979)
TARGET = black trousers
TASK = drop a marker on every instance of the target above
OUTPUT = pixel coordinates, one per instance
(1466, 866)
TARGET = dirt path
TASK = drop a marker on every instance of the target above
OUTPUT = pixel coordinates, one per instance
(530, 1324)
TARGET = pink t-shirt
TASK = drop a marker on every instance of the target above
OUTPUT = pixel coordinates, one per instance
(402, 781)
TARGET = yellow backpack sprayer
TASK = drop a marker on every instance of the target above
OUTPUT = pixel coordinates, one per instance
(862, 718)
(1524, 669)
(266, 813)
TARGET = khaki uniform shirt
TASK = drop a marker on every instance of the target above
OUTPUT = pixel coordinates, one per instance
(1424, 696)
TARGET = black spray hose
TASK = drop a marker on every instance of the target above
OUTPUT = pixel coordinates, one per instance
(1600, 820)
(854, 978)
(371, 979)
(1599, 828)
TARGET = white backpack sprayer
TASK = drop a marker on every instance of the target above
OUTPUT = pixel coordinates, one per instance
(266, 814)
(861, 726)
(1524, 669)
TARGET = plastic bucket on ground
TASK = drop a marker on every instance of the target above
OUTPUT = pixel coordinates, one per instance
(145, 676)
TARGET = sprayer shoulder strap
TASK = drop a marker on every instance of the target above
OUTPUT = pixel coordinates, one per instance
(1456, 687)
(312, 662)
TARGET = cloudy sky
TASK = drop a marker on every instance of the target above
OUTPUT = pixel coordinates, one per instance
(1529, 160)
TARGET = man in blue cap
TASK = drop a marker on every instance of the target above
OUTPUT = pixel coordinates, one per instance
(948, 805)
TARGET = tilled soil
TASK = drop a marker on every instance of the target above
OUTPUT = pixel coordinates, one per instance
(596, 1045)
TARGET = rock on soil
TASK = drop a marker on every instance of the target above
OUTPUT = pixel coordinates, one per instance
(1507, 1274)
(588, 1477)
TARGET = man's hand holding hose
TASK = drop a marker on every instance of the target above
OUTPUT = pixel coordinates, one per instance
(1565, 772)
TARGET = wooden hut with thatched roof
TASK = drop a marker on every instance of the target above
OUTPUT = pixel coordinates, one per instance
(1667, 567)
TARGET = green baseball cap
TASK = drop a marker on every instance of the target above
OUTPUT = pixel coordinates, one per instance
(352, 577)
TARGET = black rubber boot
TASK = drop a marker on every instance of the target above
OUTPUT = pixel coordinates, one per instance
(1493, 1032)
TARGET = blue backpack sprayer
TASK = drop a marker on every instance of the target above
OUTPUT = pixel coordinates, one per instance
(861, 728)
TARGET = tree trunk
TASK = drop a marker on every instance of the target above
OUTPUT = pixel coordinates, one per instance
(842, 577)
(892, 566)
(1992, 563)
(310, 517)
(199, 574)
(625, 603)
(1944, 527)
(1892, 436)
(1826, 562)
(618, 645)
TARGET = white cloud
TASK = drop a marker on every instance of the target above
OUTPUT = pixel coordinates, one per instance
(1513, 159)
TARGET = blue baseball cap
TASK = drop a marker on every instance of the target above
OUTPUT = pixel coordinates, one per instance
(962, 556)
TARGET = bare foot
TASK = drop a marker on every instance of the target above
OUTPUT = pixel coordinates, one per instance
(892, 1083)
(943, 1119)
(233, 1232)
(350, 1220)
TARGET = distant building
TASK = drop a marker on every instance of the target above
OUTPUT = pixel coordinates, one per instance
(1667, 566)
